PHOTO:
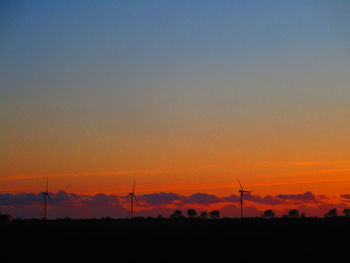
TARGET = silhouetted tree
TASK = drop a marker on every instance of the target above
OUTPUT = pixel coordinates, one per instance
(215, 214)
(303, 215)
(294, 213)
(346, 212)
(331, 213)
(176, 214)
(191, 213)
(204, 215)
(268, 214)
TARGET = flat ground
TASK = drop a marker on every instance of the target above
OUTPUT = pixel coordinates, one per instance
(177, 240)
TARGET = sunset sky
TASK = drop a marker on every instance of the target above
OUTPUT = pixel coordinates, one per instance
(183, 96)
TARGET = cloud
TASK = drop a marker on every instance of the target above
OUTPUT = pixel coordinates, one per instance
(346, 196)
(255, 198)
(307, 196)
(161, 198)
(62, 198)
(100, 199)
(280, 199)
(232, 198)
(19, 199)
(263, 200)
(63, 204)
(169, 198)
(202, 198)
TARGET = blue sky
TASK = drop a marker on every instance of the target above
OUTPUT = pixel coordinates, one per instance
(122, 42)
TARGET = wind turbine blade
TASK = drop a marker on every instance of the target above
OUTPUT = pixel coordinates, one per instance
(135, 197)
(47, 184)
(239, 183)
(133, 189)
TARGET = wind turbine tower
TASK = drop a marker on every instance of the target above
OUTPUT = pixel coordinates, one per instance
(46, 195)
(132, 196)
(241, 192)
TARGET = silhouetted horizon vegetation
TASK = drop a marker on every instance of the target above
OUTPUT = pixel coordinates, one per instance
(192, 214)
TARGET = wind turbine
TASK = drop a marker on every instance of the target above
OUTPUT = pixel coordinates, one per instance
(241, 192)
(132, 196)
(46, 195)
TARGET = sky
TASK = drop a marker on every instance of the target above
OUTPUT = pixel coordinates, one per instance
(182, 96)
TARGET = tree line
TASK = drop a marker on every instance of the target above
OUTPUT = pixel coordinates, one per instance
(294, 213)
(269, 213)
(192, 213)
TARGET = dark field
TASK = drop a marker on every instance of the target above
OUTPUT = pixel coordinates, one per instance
(182, 240)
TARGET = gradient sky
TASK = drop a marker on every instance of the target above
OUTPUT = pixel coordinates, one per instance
(182, 95)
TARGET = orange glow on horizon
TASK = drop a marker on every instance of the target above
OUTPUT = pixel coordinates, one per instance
(262, 178)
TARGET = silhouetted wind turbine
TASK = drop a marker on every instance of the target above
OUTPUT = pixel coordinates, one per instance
(45, 196)
(241, 191)
(132, 196)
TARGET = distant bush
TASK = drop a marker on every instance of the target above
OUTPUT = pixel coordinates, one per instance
(268, 214)
(191, 213)
(215, 214)
(204, 215)
(294, 213)
(177, 214)
(331, 213)
(346, 212)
